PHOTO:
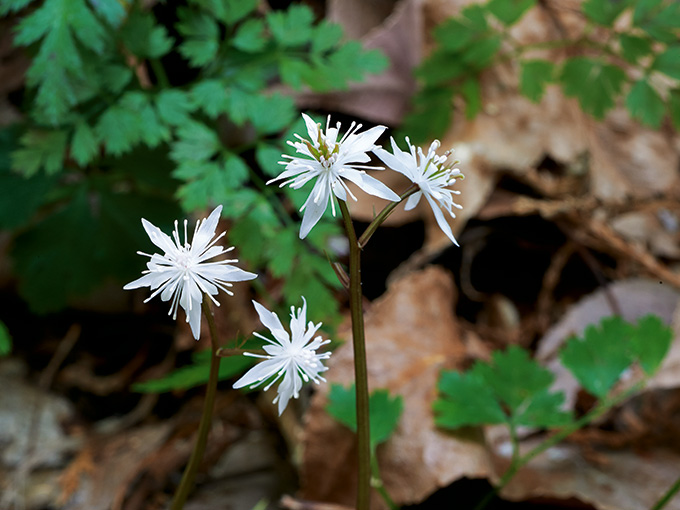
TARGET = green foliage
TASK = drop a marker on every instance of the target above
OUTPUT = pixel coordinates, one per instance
(99, 103)
(512, 389)
(5, 340)
(599, 358)
(598, 74)
(384, 411)
(195, 374)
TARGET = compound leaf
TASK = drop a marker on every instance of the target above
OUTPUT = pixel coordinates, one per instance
(603, 12)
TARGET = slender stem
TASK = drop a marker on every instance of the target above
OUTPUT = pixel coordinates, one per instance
(380, 218)
(360, 370)
(377, 484)
(187, 482)
(668, 496)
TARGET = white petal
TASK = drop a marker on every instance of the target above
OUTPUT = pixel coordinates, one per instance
(206, 231)
(153, 280)
(271, 321)
(194, 320)
(312, 129)
(413, 200)
(365, 141)
(441, 220)
(370, 185)
(313, 212)
(158, 238)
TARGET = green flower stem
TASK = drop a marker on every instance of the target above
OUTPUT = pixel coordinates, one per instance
(187, 482)
(380, 218)
(360, 370)
(670, 493)
(599, 410)
(377, 484)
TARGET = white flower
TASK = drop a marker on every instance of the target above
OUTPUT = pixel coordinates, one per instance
(432, 175)
(292, 357)
(329, 161)
(182, 273)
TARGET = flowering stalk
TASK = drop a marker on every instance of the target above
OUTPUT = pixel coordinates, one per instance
(360, 370)
(187, 482)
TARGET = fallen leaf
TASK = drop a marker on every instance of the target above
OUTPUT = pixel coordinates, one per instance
(411, 334)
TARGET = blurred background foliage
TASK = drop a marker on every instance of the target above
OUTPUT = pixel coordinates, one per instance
(133, 110)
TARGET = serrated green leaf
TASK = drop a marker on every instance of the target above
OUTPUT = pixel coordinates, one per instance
(481, 54)
(633, 48)
(596, 84)
(230, 11)
(84, 144)
(471, 91)
(659, 18)
(295, 72)
(113, 12)
(41, 150)
(598, 359)
(512, 389)
(650, 342)
(326, 36)
(292, 27)
(466, 400)
(534, 77)
(57, 69)
(115, 77)
(5, 340)
(457, 33)
(644, 104)
(196, 142)
(144, 37)
(351, 61)
(201, 37)
(119, 129)
(9, 6)
(236, 170)
(384, 411)
(195, 374)
(668, 62)
(174, 106)
(21, 196)
(271, 114)
(674, 107)
(210, 96)
(250, 36)
(603, 12)
(509, 11)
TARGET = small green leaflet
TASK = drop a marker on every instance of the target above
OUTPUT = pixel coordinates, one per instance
(595, 83)
(512, 389)
(201, 36)
(535, 75)
(600, 356)
(645, 104)
(509, 11)
(603, 12)
(659, 18)
(384, 411)
(144, 37)
(250, 36)
(41, 149)
(650, 342)
(5, 340)
(668, 62)
(292, 27)
(633, 48)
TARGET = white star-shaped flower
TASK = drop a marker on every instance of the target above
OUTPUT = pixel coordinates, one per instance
(329, 161)
(291, 356)
(433, 176)
(182, 274)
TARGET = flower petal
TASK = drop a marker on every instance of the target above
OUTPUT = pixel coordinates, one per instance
(370, 185)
